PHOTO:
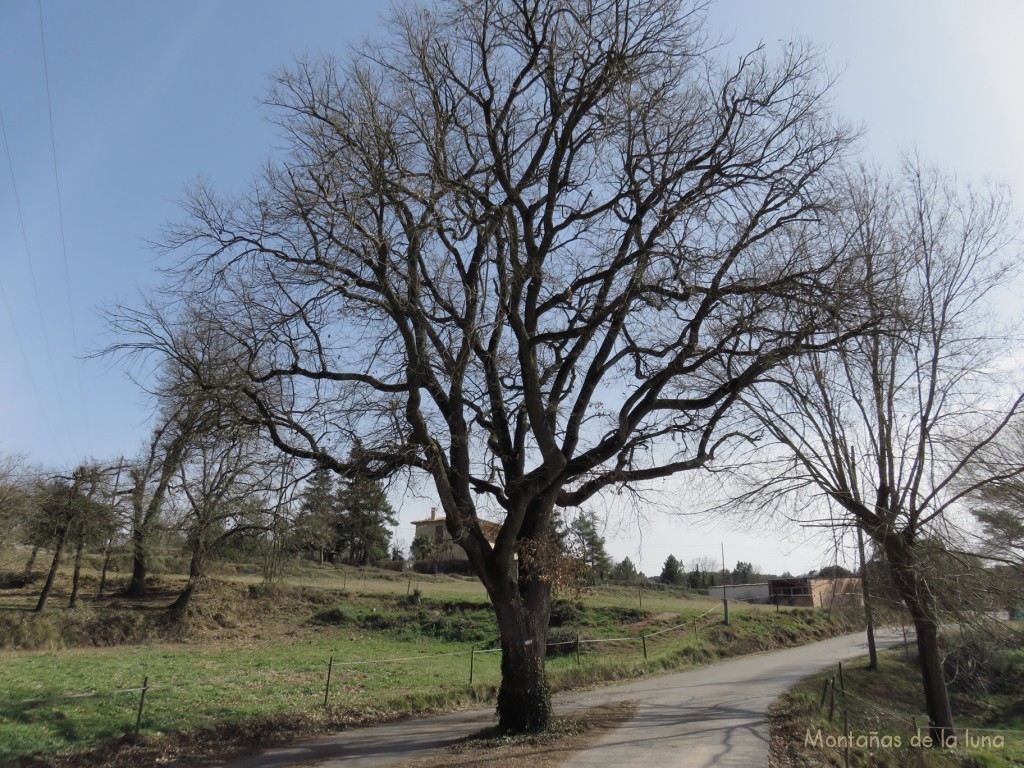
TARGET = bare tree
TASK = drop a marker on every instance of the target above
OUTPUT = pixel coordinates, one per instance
(222, 488)
(997, 502)
(535, 251)
(888, 426)
(16, 480)
(67, 512)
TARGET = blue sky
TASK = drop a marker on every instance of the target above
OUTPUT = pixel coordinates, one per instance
(147, 96)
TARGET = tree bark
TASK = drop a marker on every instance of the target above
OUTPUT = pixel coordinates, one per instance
(77, 577)
(140, 561)
(179, 607)
(868, 617)
(52, 575)
(106, 566)
(524, 699)
(31, 561)
(920, 603)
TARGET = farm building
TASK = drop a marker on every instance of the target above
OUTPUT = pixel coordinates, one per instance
(443, 553)
(815, 593)
(747, 593)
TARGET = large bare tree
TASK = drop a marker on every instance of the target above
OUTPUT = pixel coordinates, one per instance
(890, 426)
(532, 249)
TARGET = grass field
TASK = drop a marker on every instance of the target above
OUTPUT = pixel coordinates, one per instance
(258, 659)
(886, 713)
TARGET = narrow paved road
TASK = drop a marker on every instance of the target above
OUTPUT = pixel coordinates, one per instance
(713, 716)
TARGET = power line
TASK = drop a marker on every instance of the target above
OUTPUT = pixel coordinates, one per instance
(35, 285)
(60, 218)
(25, 364)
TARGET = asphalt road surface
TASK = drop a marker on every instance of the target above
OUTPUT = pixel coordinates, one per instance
(713, 716)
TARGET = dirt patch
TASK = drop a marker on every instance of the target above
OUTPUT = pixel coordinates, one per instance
(568, 736)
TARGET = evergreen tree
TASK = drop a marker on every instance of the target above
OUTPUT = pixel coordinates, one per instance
(625, 571)
(744, 573)
(672, 571)
(587, 545)
(315, 525)
(361, 526)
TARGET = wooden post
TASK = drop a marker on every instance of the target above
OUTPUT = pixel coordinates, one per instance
(327, 688)
(824, 693)
(832, 698)
(142, 703)
(695, 637)
(472, 661)
(644, 639)
(408, 587)
(577, 649)
(640, 594)
(846, 717)
(906, 648)
(725, 600)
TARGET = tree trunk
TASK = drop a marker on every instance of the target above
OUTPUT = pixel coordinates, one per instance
(52, 575)
(920, 602)
(524, 699)
(868, 617)
(140, 562)
(179, 607)
(77, 577)
(31, 561)
(106, 565)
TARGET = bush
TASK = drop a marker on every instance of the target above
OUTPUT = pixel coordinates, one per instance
(338, 614)
(11, 580)
(974, 667)
(564, 612)
(562, 642)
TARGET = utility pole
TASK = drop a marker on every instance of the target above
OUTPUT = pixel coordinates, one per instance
(725, 600)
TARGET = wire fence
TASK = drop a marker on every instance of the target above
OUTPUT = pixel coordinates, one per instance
(166, 704)
(870, 726)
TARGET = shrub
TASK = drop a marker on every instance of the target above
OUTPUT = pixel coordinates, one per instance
(564, 612)
(974, 667)
(562, 642)
(338, 614)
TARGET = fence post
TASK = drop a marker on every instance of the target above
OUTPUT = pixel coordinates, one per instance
(824, 693)
(577, 649)
(142, 703)
(640, 594)
(644, 638)
(472, 661)
(832, 698)
(906, 648)
(846, 717)
(327, 688)
(695, 636)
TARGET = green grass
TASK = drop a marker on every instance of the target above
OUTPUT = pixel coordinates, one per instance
(889, 705)
(248, 655)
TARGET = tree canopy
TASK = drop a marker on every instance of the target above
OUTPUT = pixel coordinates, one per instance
(535, 252)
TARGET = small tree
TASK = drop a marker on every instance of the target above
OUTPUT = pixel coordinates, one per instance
(744, 573)
(222, 489)
(362, 522)
(584, 543)
(672, 571)
(315, 525)
(889, 427)
(66, 511)
(625, 571)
